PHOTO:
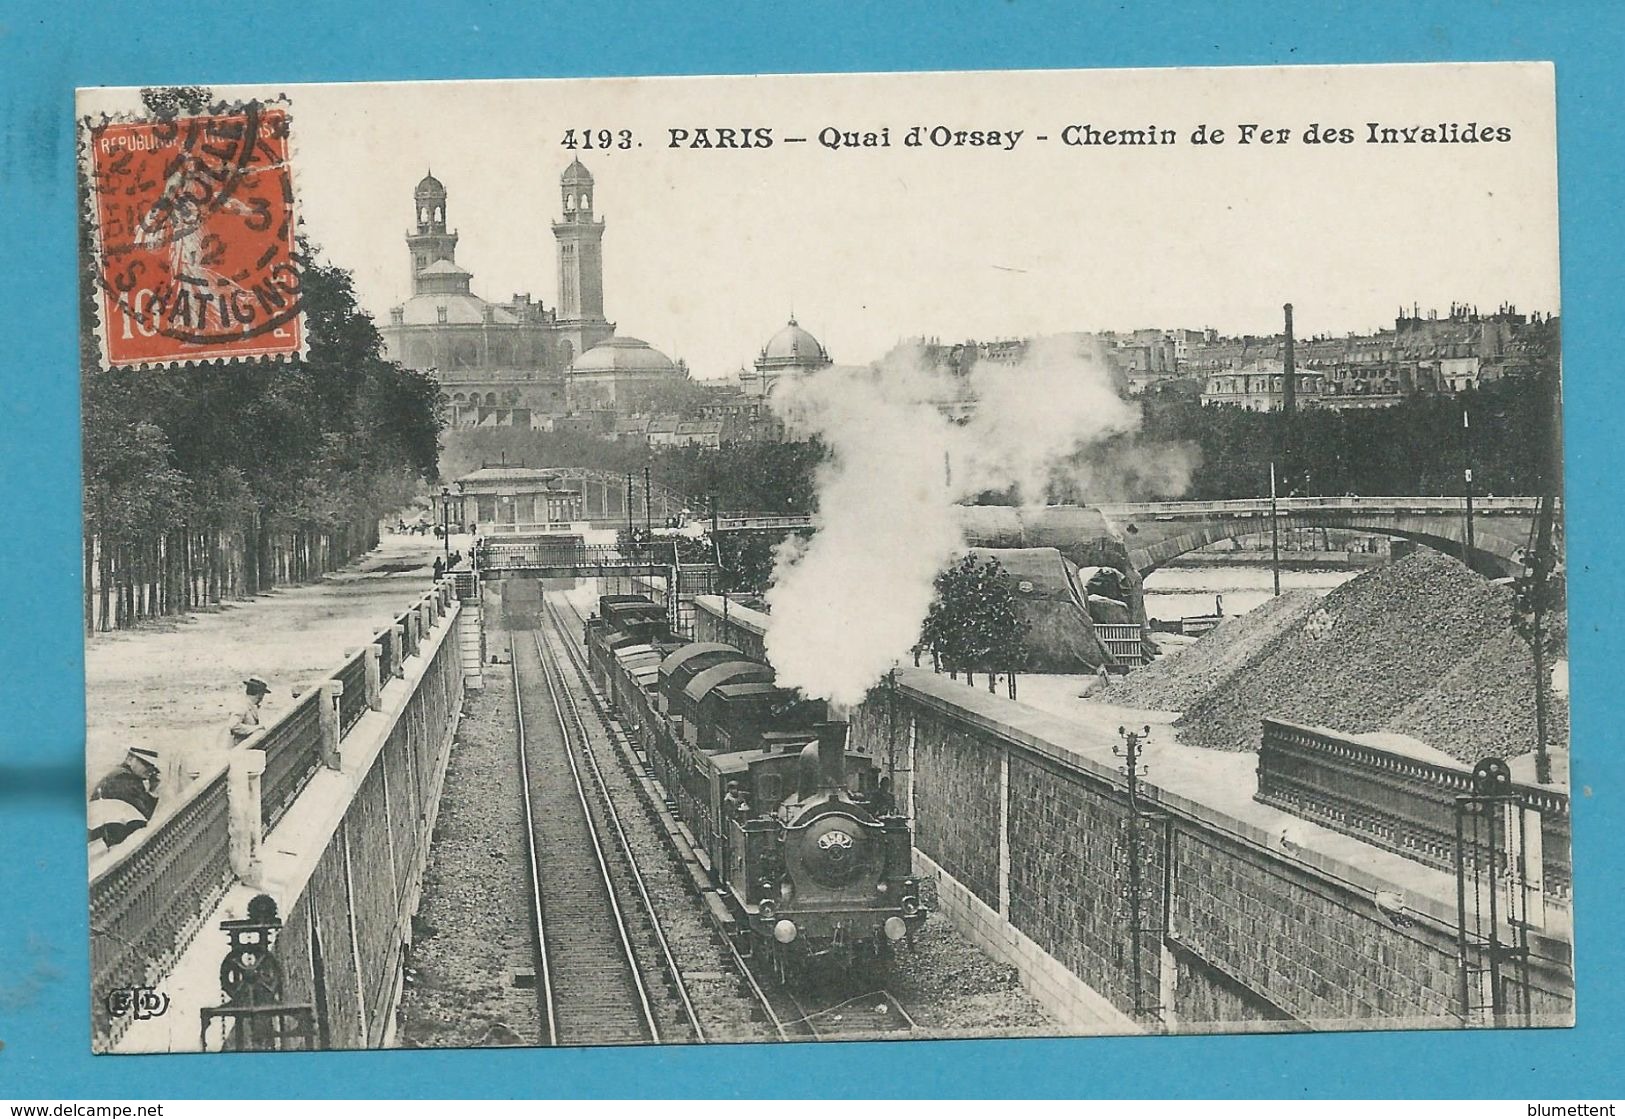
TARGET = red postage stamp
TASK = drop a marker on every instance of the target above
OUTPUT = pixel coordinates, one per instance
(194, 226)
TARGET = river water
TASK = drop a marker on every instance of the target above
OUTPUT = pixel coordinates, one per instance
(1177, 592)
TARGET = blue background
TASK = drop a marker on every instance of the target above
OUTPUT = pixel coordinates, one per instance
(44, 54)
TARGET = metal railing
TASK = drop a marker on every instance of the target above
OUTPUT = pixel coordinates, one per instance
(1256, 506)
(293, 752)
(149, 896)
(353, 699)
(1245, 507)
(1389, 799)
(727, 522)
(148, 901)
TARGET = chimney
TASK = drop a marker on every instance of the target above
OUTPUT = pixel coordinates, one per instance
(1289, 379)
(832, 755)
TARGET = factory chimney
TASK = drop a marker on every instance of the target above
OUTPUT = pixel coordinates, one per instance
(1289, 378)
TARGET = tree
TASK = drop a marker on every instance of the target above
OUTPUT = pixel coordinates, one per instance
(974, 624)
(218, 478)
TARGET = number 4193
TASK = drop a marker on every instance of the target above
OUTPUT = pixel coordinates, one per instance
(587, 139)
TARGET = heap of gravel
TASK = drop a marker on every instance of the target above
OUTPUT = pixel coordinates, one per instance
(1366, 652)
(1174, 683)
(1485, 705)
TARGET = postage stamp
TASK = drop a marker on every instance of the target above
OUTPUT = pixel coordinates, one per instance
(194, 226)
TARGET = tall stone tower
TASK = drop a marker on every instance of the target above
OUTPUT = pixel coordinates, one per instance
(581, 266)
(431, 242)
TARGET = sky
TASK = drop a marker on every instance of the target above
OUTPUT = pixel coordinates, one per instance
(708, 252)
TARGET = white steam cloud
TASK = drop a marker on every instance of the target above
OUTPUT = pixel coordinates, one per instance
(850, 602)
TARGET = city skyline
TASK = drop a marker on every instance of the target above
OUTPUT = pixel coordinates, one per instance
(708, 252)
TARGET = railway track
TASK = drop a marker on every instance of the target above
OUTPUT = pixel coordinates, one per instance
(771, 1010)
(603, 973)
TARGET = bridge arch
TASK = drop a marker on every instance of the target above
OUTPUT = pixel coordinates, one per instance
(1498, 542)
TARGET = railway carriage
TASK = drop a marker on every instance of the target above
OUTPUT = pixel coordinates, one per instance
(799, 835)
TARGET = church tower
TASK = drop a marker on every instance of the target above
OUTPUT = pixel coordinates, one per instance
(431, 242)
(581, 266)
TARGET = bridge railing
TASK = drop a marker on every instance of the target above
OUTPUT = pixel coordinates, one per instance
(1389, 799)
(733, 522)
(737, 520)
(1288, 505)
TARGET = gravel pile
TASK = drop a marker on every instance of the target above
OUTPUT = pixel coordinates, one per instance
(1485, 705)
(1367, 651)
(1174, 683)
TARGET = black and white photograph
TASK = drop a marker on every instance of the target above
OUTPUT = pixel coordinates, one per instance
(824, 557)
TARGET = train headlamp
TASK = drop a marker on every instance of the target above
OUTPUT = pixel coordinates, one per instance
(896, 928)
(767, 908)
(911, 906)
(785, 931)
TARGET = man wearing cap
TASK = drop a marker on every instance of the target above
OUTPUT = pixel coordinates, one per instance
(245, 720)
(123, 801)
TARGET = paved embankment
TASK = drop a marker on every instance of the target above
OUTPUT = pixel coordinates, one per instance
(172, 684)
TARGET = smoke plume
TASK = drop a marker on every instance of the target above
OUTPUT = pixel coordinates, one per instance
(850, 602)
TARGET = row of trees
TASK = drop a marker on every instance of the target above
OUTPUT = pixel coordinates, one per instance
(219, 480)
(761, 477)
(1419, 446)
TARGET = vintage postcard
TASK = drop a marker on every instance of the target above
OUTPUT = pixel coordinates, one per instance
(824, 557)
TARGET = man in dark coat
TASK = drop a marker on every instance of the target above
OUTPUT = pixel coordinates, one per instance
(124, 800)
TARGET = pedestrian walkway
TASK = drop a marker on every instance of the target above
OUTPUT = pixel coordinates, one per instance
(171, 685)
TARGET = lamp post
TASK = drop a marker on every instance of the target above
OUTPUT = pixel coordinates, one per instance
(1275, 536)
(445, 523)
(1467, 479)
(648, 501)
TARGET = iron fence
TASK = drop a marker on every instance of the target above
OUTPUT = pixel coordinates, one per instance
(293, 752)
(147, 903)
(149, 897)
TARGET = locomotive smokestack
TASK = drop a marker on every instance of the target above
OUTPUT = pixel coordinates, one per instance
(1289, 379)
(832, 754)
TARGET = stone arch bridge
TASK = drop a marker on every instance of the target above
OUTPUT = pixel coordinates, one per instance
(1155, 532)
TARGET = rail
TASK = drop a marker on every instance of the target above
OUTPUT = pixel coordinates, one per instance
(544, 972)
(787, 1029)
(590, 755)
(567, 919)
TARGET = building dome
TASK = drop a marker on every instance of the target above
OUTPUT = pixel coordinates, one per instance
(576, 174)
(621, 354)
(792, 347)
(430, 187)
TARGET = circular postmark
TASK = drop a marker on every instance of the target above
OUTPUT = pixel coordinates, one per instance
(195, 247)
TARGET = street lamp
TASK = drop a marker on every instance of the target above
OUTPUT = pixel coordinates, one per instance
(445, 522)
(1467, 483)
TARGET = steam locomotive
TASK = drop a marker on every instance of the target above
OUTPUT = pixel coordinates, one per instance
(799, 835)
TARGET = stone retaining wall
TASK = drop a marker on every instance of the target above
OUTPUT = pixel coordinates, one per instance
(1028, 839)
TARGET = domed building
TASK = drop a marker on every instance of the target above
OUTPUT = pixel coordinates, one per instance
(791, 351)
(500, 363)
(619, 374)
